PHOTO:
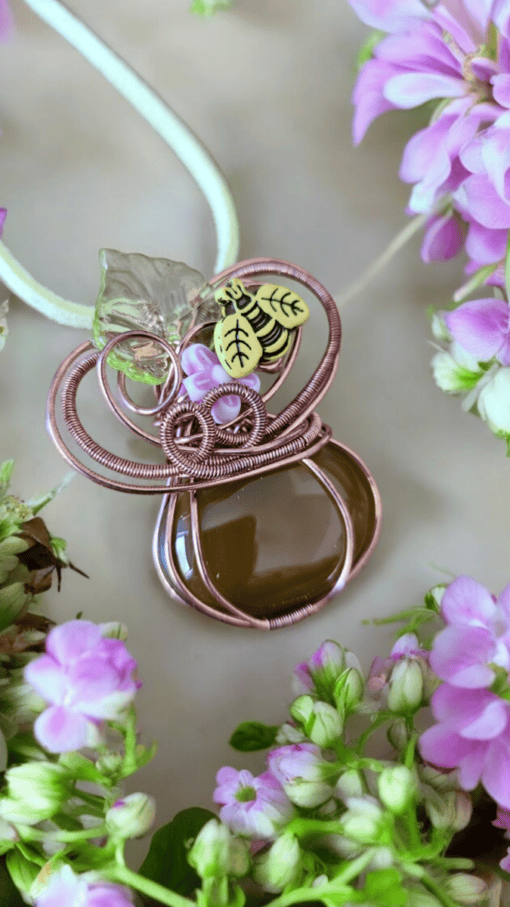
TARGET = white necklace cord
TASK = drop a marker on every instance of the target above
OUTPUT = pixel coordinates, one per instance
(172, 130)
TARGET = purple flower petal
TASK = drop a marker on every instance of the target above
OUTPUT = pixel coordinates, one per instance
(443, 238)
(368, 97)
(442, 746)
(501, 89)
(198, 385)
(467, 602)
(423, 49)
(471, 766)
(72, 639)
(408, 90)
(198, 357)
(61, 730)
(496, 772)
(485, 246)
(3, 215)
(48, 678)
(480, 198)
(491, 723)
(426, 151)
(481, 327)
(226, 408)
(390, 15)
(460, 655)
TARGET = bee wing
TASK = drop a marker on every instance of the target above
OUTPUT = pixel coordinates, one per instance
(285, 306)
(236, 345)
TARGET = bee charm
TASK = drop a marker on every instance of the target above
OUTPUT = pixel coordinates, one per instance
(261, 327)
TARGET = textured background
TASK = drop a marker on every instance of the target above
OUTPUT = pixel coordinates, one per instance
(267, 87)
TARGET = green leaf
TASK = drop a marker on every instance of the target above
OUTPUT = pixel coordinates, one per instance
(6, 470)
(252, 735)
(166, 861)
(208, 7)
(12, 599)
(366, 50)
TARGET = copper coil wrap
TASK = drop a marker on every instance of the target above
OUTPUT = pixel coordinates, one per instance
(200, 453)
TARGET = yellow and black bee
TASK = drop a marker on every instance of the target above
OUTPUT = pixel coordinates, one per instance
(260, 328)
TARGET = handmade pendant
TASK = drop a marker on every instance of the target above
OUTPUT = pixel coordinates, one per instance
(264, 517)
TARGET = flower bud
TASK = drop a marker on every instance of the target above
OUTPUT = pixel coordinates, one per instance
(302, 772)
(451, 377)
(348, 691)
(320, 721)
(465, 888)
(132, 816)
(280, 865)
(448, 809)
(439, 779)
(397, 788)
(405, 687)
(397, 735)
(349, 784)
(383, 858)
(210, 852)
(493, 403)
(288, 733)
(114, 629)
(36, 791)
(418, 897)
(239, 860)
(326, 664)
(363, 821)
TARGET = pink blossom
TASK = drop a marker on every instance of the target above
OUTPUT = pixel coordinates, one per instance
(406, 647)
(477, 635)
(324, 668)
(5, 20)
(251, 806)
(473, 736)
(443, 238)
(482, 327)
(3, 215)
(65, 889)
(86, 678)
(390, 15)
(484, 194)
(505, 862)
(303, 773)
(502, 820)
(205, 372)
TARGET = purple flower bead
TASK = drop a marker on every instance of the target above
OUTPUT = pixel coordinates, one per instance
(86, 678)
(65, 889)
(205, 372)
(256, 807)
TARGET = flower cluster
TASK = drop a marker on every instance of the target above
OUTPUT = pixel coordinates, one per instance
(454, 55)
(324, 814)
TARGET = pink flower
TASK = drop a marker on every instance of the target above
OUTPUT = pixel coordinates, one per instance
(443, 238)
(405, 648)
(86, 678)
(390, 15)
(303, 773)
(251, 806)
(5, 20)
(324, 668)
(205, 373)
(3, 215)
(502, 820)
(65, 889)
(477, 635)
(482, 327)
(473, 736)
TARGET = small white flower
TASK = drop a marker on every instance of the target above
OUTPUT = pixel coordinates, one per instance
(494, 403)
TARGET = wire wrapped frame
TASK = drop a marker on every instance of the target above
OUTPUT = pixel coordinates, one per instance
(199, 453)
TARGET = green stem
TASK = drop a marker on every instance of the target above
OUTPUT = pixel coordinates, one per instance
(379, 721)
(355, 867)
(66, 837)
(439, 892)
(358, 285)
(130, 764)
(478, 278)
(132, 879)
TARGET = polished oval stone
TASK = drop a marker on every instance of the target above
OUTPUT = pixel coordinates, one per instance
(275, 543)
(271, 543)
